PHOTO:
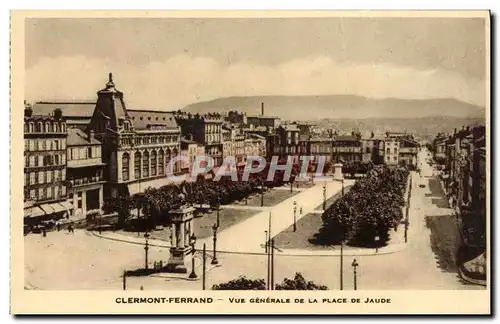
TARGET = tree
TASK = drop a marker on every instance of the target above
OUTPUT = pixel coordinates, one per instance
(299, 283)
(121, 206)
(242, 283)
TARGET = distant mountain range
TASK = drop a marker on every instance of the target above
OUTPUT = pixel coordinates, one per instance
(339, 107)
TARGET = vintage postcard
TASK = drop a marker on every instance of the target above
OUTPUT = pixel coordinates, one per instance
(193, 162)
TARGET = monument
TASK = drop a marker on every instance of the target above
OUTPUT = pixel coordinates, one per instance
(338, 175)
(182, 229)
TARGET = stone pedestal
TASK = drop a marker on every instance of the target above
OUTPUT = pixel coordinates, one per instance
(337, 171)
(182, 229)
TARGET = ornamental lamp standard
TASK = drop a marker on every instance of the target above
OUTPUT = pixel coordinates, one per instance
(146, 249)
(214, 260)
(218, 212)
(192, 242)
(295, 216)
(324, 196)
(354, 267)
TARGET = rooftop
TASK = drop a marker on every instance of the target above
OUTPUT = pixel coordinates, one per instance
(69, 109)
(144, 118)
(77, 137)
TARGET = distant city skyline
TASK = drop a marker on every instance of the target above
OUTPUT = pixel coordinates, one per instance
(169, 63)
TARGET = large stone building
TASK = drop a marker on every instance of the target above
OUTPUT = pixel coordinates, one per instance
(45, 191)
(206, 130)
(76, 114)
(85, 173)
(137, 145)
(347, 148)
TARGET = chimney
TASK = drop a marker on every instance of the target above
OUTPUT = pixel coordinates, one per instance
(28, 111)
(91, 134)
(262, 109)
(57, 113)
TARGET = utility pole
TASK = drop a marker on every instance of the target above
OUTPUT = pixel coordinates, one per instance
(204, 266)
(342, 264)
(124, 280)
(268, 250)
(272, 264)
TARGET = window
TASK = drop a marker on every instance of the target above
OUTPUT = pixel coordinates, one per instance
(395, 158)
(30, 127)
(137, 165)
(26, 145)
(26, 128)
(395, 151)
(145, 164)
(48, 127)
(56, 192)
(26, 161)
(56, 128)
(41, 176)
(153, 163)
(63, 190)
(49, 176)
(48, 145)
(42, 145)
(125, 166)
(36, 145)
(63, 127)
(56, 145)
(89, 152)
(63, 174)
(26, 179)
(39, 127)
(49, 192)
(41, 193)
(56, 158)
(57, 175)
(40, 160)
(367, 150)
(388, 151)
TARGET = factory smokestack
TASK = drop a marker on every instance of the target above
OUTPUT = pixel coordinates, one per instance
(262, 109)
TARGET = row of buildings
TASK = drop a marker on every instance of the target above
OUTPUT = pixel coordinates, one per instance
(77, 155)
(462, 156)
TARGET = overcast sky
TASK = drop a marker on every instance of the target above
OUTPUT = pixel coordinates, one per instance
(168, 63)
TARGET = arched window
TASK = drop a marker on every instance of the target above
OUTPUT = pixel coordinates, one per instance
(26, 128)
(153, 163)
(39, 127)
(56, 128)
(31, 126)
(48, 127)
(63, 127)
(137, 165)
(125, 166)
(161, 161)
(177, 165)
(145, 164)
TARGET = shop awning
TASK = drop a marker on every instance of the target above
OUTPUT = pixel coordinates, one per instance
(57, 207)
(33, 212)
(47, 209)
(66, 205)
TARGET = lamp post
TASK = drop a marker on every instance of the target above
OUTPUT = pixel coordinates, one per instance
(324, 196)
(342, 264)
(192, 242)
(406, 223)
(377, 239)
(266, 244)
(214, 260)
(342, 186)
(354, 267)
(218, 211)
(146, 249)
(294, 216)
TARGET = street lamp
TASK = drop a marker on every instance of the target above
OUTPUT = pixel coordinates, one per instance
(214, 260)
(324, 196)
(377, 239)
(218, 211)
(266, 244)
(192, 242)
(354, 266)
(342, 264)
(146, 249)
(294, 216)
(406, 223)
(342, 186)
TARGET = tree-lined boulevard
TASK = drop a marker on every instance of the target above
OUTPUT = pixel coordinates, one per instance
(86, 260)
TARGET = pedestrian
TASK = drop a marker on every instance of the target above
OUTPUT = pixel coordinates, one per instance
(44, 231)
(58, 227)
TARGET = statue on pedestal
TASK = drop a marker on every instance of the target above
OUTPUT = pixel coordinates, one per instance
(182, 229)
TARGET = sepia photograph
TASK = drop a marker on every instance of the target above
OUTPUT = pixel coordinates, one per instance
(169, 157)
